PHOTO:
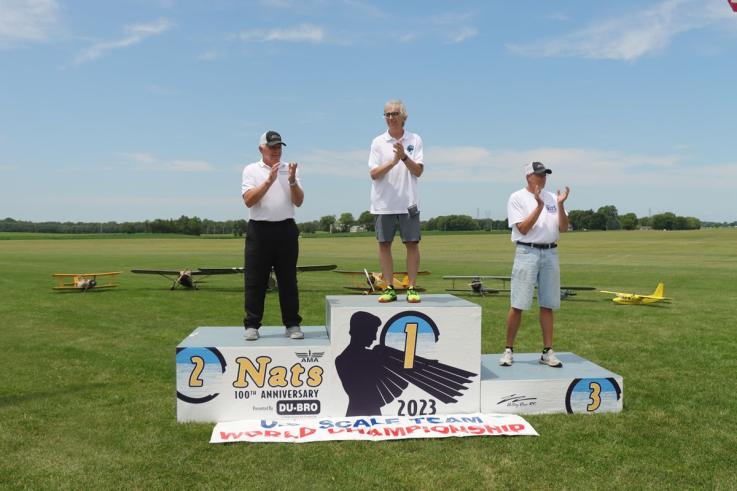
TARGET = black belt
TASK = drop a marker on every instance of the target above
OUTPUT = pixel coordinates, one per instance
(538, 246)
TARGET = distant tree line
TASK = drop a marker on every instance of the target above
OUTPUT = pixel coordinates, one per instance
(605, 218)
(464, 222)
(365, 222)
(608, 218)
(718, 224)
(182, 225)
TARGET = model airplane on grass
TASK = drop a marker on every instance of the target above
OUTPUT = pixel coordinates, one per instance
(186, 278)
(370, 282)
(272, 284)
(637, 299)
(82, 281)
(476, 286)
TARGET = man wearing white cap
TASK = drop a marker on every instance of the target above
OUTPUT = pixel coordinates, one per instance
(271, 189)
(537, 217)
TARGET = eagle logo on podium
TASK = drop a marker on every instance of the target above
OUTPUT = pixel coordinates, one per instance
(374, 377)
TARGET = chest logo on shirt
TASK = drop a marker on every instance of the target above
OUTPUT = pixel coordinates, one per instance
(410, 148)
(551, 208)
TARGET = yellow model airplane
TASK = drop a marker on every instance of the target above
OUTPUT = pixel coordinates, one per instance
(369, 282)
(636, 299)
(82, 281)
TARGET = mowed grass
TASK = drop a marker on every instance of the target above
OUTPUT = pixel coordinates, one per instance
(87, 398)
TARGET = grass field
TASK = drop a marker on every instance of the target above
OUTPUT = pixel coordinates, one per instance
(87, 398)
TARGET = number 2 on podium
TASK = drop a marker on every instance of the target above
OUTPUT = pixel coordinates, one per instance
(194, 377)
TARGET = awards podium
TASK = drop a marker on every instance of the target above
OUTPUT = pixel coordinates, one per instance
(373, 359)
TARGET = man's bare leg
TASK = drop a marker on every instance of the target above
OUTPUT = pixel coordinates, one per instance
(514, 318)
(546, 324)
(413, 261)
(386, 261)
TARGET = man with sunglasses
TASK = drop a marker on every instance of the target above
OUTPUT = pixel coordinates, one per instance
(395, 163)
(537, 218)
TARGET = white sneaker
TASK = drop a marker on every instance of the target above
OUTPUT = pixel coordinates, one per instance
(251, 334)
(507, 358)
(294, 332)
(550, 359)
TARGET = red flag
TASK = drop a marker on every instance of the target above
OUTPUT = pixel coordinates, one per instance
(733, 4)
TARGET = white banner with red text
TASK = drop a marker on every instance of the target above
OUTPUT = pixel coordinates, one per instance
(371, 428)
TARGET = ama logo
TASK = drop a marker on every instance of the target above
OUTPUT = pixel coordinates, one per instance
(309, 356)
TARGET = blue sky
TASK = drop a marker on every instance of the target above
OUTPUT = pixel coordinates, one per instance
(142, 109)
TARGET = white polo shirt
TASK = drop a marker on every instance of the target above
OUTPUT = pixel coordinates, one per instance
(396, 190)
(276, 205)
(545, 231)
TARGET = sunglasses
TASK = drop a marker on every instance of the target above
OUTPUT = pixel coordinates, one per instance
(392, 114)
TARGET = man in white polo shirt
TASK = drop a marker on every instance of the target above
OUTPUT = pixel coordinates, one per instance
(537, 217)
(395, 162)
(271, 189)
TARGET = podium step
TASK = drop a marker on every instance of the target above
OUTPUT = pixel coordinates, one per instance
(405, 359)
(223, 377)
(373, 359)
(528, 387)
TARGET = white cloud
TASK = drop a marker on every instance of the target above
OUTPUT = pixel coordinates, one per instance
(302, 33)
(406, 37)
(162, 91)
(463, 34)
(176, 201)
(189, 166)
(143, 158)
(147, 161)
(558, 16)
(578, 166)
(632, 36)
(27, 20)
(592, 168)
(210, 55)
(279, 4)
(344, 163)
(452, 18)
(136, 34)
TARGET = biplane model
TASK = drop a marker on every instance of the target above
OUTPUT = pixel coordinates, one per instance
(476, 286)
(370, 282)
(186, 278)
(636, 299)
(83, 281)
